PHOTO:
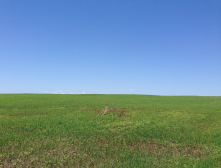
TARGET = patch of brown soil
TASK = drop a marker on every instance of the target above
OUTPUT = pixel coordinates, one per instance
(176, 150)
(163, 111)
(96, 110)
(121, 111)
(105, 110)
(81, 109)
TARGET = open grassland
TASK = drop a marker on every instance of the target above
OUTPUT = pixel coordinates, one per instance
(109, 131)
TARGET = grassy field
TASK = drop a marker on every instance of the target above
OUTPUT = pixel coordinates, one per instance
(135, 131)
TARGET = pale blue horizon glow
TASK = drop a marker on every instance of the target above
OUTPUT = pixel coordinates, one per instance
(111, 47)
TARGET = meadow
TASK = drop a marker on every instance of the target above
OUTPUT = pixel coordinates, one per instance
(49, 130)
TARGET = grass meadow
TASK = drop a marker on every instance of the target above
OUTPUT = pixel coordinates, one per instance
(49, 130)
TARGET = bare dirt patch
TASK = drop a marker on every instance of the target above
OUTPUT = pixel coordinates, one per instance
(161, 111)
(121, 111)
(83, 108)
(175, 150)
(96, 110)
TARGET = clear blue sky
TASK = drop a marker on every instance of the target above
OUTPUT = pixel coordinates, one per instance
(153, 47)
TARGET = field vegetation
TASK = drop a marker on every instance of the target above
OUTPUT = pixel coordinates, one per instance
(48, 130)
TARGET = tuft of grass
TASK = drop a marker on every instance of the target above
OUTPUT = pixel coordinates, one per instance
(109, 131)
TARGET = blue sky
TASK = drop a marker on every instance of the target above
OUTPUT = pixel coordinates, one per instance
(111, 47)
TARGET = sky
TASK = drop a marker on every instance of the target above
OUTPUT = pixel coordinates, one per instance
(111, 47)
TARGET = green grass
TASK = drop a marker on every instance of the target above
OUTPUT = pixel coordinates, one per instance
(136, 131)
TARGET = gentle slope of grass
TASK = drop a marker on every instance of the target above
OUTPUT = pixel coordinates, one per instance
(135, 131)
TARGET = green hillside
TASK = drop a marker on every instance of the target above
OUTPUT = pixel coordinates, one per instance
(48, 130)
